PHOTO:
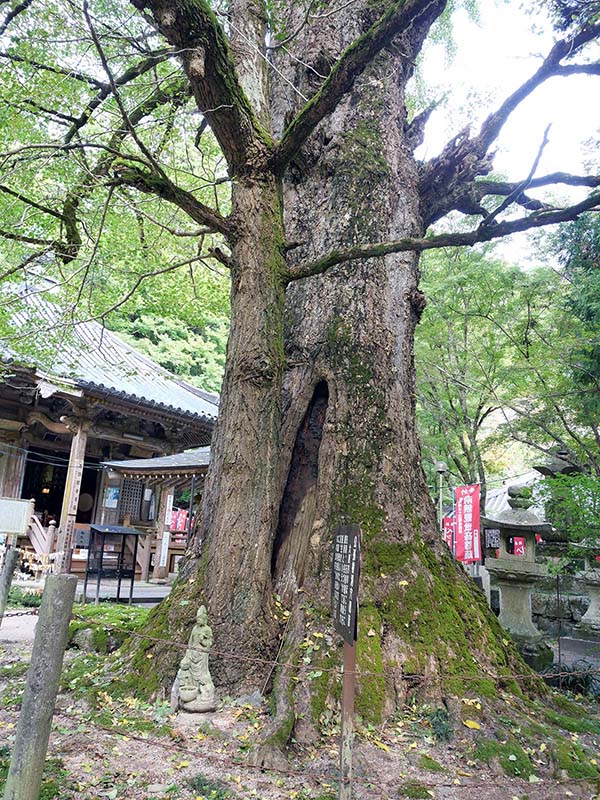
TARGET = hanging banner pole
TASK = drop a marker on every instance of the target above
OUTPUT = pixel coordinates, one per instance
(345, 575)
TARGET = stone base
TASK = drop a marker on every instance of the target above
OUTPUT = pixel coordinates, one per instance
(584, 631)
(199, 706)
(535, 653)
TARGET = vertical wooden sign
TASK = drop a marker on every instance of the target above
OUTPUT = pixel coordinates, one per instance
(345, 574)
(71, 499)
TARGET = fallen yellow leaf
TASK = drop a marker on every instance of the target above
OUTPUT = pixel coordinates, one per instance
(470, 723)
(382, 745)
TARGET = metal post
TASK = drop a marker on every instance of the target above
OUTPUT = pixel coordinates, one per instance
(347, 724)
(559, 630)
(8, 570)
(43, 677)
(135, 549)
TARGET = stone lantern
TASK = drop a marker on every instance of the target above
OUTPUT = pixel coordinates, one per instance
(513, 534)
(589, 625)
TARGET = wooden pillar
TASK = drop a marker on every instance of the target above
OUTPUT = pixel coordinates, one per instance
(163, 535)
(71, 498)
(12, 469)
(144, 558)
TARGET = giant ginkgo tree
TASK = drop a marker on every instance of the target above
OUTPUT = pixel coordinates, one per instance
(115, 116)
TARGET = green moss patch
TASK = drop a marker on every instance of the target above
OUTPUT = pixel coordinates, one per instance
(415, 791)
(511, 756)
(385, 557)
(572, 758)
(151, 664)
(581, 724)
(428, 763)
(105, 626)
(370, 698)
(428, 610)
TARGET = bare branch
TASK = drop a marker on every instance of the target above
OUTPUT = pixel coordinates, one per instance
(483, 233)
(28, 201)
(128, 76)
(518, 191)
(54, 69)
(400, 16)
(445, 177)
(17, 237)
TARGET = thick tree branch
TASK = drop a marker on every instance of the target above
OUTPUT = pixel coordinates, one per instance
(162, 187)
(192, 27)
(550, 67)
(484, 233)
(400, 16)
(444, 179)
(18, 9)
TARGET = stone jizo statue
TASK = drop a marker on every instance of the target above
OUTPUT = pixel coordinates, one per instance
(194, 689)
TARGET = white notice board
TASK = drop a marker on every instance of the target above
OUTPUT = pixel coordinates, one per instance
(14, 515)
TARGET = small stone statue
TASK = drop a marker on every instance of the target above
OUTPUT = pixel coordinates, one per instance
(194, 689)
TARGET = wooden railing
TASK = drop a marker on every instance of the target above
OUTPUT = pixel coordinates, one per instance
(41, 538)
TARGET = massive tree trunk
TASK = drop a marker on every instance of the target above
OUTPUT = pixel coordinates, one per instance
(325, 433)
(350, 451)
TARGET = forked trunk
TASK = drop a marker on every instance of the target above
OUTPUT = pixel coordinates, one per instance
(325, 433)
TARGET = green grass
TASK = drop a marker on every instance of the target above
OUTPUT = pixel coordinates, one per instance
(210, 790)
(21, 598)
(15, 670)
(414, 790)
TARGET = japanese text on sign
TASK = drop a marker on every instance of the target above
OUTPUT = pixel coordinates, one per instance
(344, 580)
(468, 545)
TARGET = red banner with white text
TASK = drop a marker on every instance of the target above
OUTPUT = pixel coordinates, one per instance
(467, 522)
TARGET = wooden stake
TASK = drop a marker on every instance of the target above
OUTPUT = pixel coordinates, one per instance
(347, 724)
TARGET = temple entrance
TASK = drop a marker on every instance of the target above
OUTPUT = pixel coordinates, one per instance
(45, 479)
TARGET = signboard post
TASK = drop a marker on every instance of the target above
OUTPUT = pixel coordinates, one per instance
(344, 594)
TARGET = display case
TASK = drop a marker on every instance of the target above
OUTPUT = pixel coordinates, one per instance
(112, 554)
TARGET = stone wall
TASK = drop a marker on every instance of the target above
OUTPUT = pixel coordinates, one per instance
(547, 610)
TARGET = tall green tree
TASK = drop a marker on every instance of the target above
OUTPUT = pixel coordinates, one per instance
(471, 348)
(329, 210)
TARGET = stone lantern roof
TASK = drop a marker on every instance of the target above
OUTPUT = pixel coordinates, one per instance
(519, 517)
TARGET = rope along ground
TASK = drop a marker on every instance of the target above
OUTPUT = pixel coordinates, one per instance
(396, 672)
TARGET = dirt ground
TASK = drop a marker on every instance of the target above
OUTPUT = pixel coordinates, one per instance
(126, 750)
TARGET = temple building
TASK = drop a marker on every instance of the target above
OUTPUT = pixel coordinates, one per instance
(100, 401)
